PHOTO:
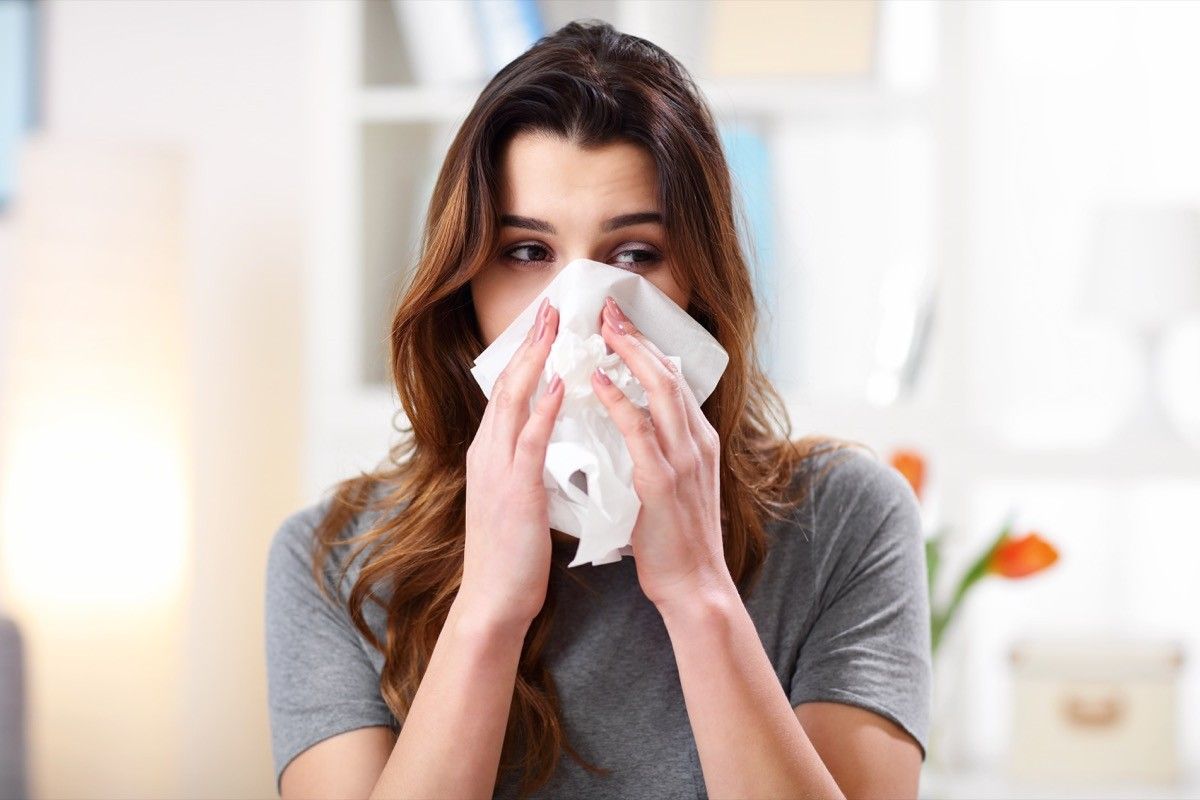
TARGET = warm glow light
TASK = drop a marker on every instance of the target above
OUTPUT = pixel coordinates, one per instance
(94, 462)
(92, 509)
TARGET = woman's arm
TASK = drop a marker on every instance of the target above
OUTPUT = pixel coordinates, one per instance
(750, 740)
(748, 737)
(450, 742)
(452, 736)
(449, 745)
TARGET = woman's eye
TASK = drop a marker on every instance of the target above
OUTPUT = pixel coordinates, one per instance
(648, 257)
(537, 248)
(636, 257)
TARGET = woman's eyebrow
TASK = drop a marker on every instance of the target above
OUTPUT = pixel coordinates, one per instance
(621, 221)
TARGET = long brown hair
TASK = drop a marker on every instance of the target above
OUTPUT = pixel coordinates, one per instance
(593, 85)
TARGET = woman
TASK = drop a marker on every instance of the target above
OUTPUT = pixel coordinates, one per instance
(770, 636)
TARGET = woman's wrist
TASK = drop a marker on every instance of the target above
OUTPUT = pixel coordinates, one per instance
(469, 621)
(709, 603)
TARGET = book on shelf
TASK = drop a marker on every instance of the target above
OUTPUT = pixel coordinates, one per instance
(465, 42)
(767, 38)
(19, 85)
(748, 156)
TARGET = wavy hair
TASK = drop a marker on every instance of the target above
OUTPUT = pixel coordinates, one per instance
(593, 85)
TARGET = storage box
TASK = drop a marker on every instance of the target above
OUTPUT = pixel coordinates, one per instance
(1095, 710)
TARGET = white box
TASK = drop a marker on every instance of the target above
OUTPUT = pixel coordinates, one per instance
(1095, 709)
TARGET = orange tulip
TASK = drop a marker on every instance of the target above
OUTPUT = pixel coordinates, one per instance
(911, 464)
(1022, 556)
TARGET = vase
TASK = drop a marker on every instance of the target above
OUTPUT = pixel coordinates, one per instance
(944, 751)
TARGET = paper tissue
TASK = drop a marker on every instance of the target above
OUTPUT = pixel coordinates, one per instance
(589, 471)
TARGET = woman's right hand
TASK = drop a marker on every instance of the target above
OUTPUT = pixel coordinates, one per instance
(506, 564)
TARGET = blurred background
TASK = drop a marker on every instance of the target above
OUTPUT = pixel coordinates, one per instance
(975, 236)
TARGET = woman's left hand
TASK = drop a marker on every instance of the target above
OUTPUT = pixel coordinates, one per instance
(677, 542)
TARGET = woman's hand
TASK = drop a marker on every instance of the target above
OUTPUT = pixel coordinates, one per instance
(506, 563)
(676, 541)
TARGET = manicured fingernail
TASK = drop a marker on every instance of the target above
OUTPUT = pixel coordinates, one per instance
(555, 382)
(603, 377)
(545, 322)
(618, 321)
(619, 314)
(541, 319)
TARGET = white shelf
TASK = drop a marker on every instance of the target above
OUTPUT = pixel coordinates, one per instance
(415, 103)
(776, 100)
(983, 457)
(365, 109)
(382, 130)
(803, 98)
(982, 784)
(1101, 464)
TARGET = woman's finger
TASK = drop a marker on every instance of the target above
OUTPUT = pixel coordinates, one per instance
(516, 382)
(529, 454)
(636, 427)
(701, 429)
(664, 389)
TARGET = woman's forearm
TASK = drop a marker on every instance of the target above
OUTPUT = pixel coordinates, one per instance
(450, 742)
(747, 735)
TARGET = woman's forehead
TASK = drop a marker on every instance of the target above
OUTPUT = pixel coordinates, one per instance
(540, 167)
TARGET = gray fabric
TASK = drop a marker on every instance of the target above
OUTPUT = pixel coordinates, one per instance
(841, 607)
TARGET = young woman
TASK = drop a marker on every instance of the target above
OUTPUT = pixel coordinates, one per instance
(424, 638)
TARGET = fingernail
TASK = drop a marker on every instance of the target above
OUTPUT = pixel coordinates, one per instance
(541, 319)
(620, 315)
(555, 382)
(545, 322)
(603, 377)
(616, 319)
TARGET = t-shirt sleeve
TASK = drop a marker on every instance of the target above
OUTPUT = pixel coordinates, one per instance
(320, 681)
(869, 645)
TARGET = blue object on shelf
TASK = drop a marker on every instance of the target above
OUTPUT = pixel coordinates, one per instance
(18, 87)
(508, 28)
(750, 167)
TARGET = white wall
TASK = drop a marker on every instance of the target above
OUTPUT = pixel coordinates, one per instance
(1073, 104)
(228, 81)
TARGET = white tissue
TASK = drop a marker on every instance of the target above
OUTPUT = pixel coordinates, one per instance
(589, 471)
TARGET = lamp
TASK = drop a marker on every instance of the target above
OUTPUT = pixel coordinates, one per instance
(1145, 275)
(93, 501)
(95, 460)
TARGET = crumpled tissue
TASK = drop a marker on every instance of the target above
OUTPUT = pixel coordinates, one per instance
(589, 471)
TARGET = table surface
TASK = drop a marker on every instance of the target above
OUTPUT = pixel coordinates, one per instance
(996, 784)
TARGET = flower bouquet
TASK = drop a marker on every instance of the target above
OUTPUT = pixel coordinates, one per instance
(1007, 555)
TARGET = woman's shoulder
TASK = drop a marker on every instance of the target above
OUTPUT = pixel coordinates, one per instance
(299, 526)
(296, 534)
(294, 541)
(289, 569)
(854, 604)
(853, 477)
(849, 495)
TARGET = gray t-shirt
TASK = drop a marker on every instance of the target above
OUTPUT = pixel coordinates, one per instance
(841, 607)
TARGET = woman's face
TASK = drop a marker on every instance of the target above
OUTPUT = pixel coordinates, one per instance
(560, 202)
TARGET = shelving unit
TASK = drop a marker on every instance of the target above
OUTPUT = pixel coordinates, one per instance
(781, 101)
(385, 135)
(382, 138)
(378, 136)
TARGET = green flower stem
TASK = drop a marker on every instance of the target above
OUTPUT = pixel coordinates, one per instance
(978, 570)
(933, 556)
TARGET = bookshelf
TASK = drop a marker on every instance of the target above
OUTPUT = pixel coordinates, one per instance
(378, 135)
(381, 134)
